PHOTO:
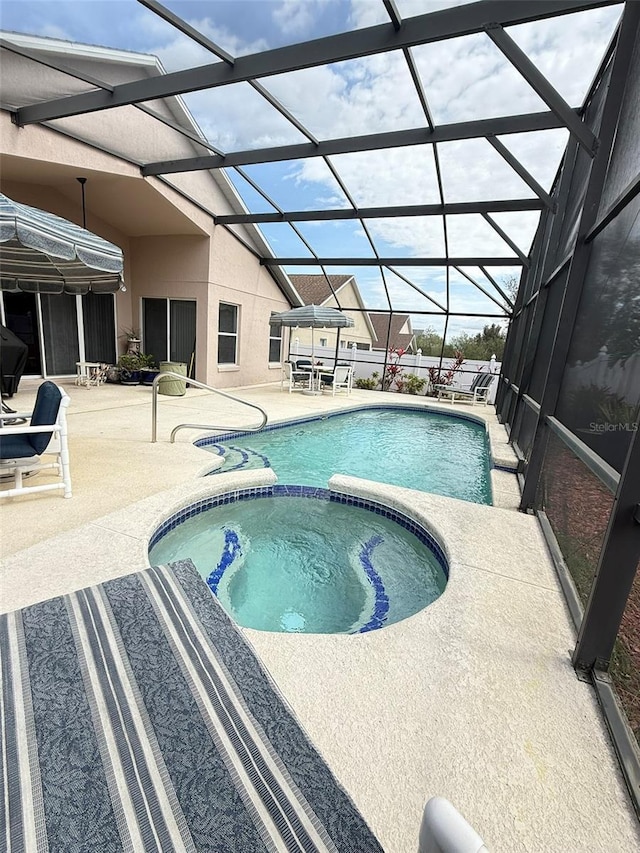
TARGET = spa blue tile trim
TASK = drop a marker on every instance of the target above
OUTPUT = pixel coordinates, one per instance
(381, 605)
(204, 504)
(232, 549)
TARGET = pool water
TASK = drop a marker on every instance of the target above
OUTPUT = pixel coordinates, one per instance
(303, 565)
(416, 449)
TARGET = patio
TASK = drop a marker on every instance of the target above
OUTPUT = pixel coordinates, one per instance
(474, 698)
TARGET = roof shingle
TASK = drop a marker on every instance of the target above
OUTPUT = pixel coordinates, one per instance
(314, 289)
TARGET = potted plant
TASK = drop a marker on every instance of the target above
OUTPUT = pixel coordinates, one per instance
(132, 337)
(148, 369)
(129, 368)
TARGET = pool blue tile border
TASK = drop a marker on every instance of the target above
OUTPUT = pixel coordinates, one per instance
(313, 492)
(214, 440)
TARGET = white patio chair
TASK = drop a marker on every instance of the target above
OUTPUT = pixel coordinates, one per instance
(341, 378)
(477, 393)
(296, 380)
(44, 435)
(444, 830)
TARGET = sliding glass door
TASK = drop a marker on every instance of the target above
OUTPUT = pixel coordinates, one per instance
(169, 330)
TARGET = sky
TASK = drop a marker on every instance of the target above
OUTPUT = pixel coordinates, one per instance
(464, 79)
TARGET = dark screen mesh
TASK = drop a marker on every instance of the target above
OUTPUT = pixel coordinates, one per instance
(600, 393)
(155, 328)
(552, 297)
(182, 315)
(578, 506)
(60, 327)
(580, 177)
(527, 430)
(625, 159)
(99, 327)
(625, 663)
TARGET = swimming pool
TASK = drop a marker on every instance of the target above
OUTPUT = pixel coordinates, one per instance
(428, 451)
(304, 560)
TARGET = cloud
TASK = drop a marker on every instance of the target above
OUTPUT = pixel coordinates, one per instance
(297, 17)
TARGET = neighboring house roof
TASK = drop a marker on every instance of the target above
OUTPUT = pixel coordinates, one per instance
(315, 290)
(397, 338)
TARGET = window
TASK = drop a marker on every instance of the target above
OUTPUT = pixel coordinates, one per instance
(323, 342)
(343, 344)
(275, 343)
(227, 334)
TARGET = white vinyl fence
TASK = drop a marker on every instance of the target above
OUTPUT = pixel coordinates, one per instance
(365, 362)
(620, 377)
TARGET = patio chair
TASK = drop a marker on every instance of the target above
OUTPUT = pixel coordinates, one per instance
(45, 434)
(296, 380)
(477, 393)
(341, 378)
(303, 364)
(444, 830)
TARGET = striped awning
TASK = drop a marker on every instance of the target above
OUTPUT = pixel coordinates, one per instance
(43, 253)
(312, 316)
(135, 717)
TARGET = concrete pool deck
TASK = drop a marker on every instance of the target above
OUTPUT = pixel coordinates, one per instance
(473, 698)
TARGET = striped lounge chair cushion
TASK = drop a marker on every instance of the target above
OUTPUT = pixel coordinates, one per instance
(135, 717)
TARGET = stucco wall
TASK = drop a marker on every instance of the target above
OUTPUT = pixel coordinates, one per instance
(238, 278)
(171, 246)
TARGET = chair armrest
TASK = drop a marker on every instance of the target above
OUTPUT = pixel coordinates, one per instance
(14, 415)
(21, 430)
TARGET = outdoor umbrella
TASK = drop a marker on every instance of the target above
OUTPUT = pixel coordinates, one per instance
(313, 317)
(42, 253)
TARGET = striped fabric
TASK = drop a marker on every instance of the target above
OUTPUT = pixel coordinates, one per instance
(135, 717)
(43, 253)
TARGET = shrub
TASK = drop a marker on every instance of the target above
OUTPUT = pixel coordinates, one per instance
(412, 384)
(368, 384)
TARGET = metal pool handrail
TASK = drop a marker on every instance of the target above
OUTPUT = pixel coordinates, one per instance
(154, 407)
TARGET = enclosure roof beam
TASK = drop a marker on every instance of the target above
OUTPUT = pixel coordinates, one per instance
(393, 13)
(168, 16)
(481, 207)
(392, 262)
(539, 83)
(370, 142)
(502, 233)
(528, 178)
(422, 29)
(482, 289)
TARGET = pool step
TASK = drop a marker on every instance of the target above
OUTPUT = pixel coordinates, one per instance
(239, 459)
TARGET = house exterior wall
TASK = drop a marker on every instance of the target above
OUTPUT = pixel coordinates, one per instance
(237, 278)
(172, 249)
(360, 333)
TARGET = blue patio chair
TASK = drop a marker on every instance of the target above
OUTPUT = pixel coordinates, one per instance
(43, 434)
(303, 364)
